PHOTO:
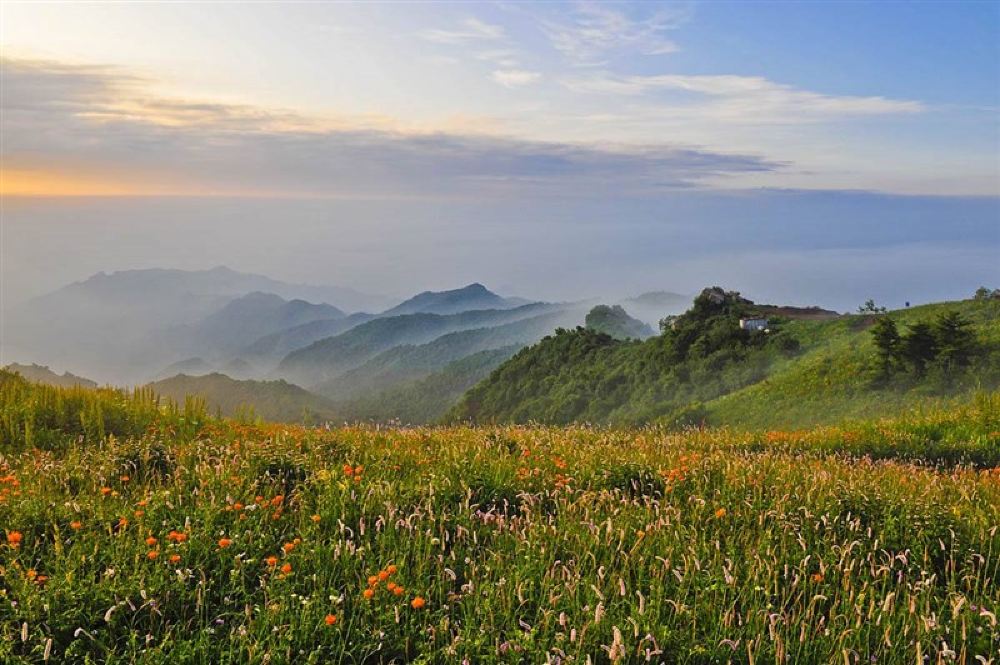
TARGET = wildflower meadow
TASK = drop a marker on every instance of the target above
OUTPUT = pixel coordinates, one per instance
(135, 532)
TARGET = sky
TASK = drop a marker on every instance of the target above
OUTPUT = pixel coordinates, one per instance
(809, 151)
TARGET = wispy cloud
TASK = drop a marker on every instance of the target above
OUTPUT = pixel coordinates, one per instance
(94, 118)
(597, 30)
(469, 30)
(744, 98)
(515, 78)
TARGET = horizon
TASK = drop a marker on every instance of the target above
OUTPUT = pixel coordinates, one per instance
(810, 153)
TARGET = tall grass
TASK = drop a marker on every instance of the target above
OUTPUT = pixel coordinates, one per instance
(513, 544)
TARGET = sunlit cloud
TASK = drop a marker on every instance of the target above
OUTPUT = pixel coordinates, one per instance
(469, 30)
(514, 78)
(59, 115)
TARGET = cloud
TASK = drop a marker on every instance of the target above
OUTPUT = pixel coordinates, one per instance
(743, 98)
(596, 30)
(515, 78)
(103, 121)
(469, 30)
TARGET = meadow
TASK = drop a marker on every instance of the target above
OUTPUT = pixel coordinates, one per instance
(135, 531)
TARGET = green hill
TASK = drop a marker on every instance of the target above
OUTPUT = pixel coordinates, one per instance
(270, 400)
(811, 369)
(328, 358)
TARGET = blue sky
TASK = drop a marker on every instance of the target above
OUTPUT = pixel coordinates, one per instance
(549, 110)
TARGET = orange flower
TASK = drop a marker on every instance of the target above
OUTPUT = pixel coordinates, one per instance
(417, 603)
(392, 568)
(817, 577)
(398, 590)
(151, 541)
(140, 513)
(368, 593)
(175, 558)
(224, 543)
(271, 561)
(276, 501)
(124, 479)
(237, 506)
(720, 513)
(176, 537)
(75, 526)
(288, 547)
(14, 538)
(330, 619)
(372, 580)
(122, 523)
(391, 586)
(287, 568)
(315, 518)
(383, 575)
(152, 555)
(105, 491)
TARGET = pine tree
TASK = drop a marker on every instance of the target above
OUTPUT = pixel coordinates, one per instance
(887, 345)
(955, 342)
(918, 347)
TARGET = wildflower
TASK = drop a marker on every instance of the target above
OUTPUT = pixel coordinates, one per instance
(817, 577)
(383, 575)
(720, 513)
(140, 513)
(105, 491)
(271, 561)
(122, 522)
(368, 593)
(330, 619)
(175, 558)
(152, 554)
(151, 541)
(287, 568)
(176, 537)
(124, 479)
(348, 470)
(14, 538)
(224, 543)
(315, 518)
(391, 568)
(372, 580)
(398, 590)
(288, 547)
(417, 603)
(75, 525)
(391, 586)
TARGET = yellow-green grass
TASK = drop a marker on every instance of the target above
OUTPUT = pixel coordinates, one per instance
(525, 544)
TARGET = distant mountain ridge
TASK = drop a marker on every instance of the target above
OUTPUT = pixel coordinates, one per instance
(472, 297)
(42, 374)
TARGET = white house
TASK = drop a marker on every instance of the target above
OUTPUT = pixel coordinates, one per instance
(753, 324)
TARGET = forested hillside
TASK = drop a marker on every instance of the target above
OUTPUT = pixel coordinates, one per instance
(704, 368)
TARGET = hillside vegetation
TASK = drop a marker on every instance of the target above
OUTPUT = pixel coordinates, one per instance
(277, 401)
(137, 532)
(813, 369)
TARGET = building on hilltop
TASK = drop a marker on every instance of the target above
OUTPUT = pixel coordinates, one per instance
(753, 324)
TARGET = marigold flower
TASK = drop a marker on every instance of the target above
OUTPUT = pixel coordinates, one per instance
(391, 586)
(368, 593)
(151, 541)
(330, 619)
(383, 575)
(398, 590)
(372, 580)
(288, 547)
(348, 470)
(315, 518)
(287, 568)
(271, 561)
(152, 555)
(175, 558)
(392, 568)
(14, 538)
(417, 603)
(224, 543)
(720, 513)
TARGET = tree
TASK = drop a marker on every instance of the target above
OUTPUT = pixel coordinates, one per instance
(870, 308)
(955, 342)
(887, 346)
(918, 347)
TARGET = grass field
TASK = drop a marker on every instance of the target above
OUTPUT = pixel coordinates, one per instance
(133, 532)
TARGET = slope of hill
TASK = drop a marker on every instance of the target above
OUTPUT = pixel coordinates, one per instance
(425, 400)
(613, 320)
(246, 319)
(706, 369)
(471, 297)
(270, 400)
(410, 362)
(270, 349)
(42, 374)
(328, 358)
